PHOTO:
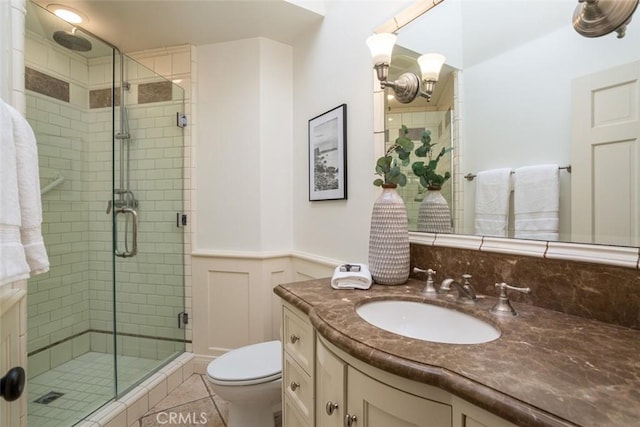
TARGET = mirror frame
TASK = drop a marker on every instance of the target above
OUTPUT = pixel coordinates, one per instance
(622, 256)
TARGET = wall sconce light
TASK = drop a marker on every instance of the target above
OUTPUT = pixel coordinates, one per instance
(408, 86)
(595, 18)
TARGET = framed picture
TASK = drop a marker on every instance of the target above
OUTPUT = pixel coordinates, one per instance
(328, 155)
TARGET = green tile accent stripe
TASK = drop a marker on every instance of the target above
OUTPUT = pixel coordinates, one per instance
(121, 334)
(46, 85)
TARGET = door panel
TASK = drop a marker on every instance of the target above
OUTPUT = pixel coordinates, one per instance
(377, 405)
(605, 207)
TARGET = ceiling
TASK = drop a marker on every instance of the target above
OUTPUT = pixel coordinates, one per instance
(138, 25)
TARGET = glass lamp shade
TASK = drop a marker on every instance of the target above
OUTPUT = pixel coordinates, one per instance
(430, 66)
(381, 46)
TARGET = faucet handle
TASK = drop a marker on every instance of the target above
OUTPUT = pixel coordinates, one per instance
(503, 306)
(428, 288)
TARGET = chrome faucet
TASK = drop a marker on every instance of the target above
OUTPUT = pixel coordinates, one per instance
(464, 291)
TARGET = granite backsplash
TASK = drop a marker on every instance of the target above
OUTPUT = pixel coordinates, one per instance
(595, 291)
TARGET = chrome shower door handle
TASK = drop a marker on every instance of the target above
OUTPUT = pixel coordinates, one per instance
(134, 232)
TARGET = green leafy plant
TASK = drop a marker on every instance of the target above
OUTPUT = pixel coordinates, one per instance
(388, 167)
(426, 171)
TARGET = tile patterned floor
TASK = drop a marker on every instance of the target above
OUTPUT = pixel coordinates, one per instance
(193, 403)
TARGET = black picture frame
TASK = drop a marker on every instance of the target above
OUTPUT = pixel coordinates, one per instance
(328, 155)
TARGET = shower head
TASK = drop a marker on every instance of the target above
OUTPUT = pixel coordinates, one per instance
(71, 41)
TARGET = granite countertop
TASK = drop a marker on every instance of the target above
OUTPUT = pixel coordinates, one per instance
(546, 369)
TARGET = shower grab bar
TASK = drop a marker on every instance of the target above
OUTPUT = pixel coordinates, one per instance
(53, 184)
(134, 230)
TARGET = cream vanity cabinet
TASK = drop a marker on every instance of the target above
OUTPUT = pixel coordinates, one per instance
(298, 389)
(329, 388)
(345, 396)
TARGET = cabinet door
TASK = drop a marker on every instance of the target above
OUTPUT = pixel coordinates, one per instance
(330, 388)
(374, 404)
(467, 415)
(12, 303)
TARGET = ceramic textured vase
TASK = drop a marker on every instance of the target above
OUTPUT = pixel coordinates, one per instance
(389, 239)
(434, 215)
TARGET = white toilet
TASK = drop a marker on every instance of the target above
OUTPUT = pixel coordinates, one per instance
(249, 379)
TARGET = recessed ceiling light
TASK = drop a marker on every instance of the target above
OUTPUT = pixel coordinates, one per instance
(67, 13)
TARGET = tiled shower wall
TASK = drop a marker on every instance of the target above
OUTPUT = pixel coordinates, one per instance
(58, 301)
(76, 296)
(417, 122)
(179, 64)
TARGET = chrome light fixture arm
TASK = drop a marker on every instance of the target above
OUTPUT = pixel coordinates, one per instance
(408, 86)
(595, 18)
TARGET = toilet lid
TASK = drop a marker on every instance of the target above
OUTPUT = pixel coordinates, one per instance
(253, 364)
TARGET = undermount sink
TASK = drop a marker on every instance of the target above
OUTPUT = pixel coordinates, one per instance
(427, 322)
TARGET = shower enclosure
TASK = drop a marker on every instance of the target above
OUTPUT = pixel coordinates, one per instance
(110, 311)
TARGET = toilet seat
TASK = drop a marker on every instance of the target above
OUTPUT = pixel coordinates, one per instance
(253, 364)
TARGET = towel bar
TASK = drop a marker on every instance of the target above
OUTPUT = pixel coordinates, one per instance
(471, 176)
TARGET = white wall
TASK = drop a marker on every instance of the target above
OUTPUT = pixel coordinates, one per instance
(243, 166)
(255, 98)
(333, 66)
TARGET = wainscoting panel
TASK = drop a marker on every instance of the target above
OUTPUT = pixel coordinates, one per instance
(228, 295)
(233, 300)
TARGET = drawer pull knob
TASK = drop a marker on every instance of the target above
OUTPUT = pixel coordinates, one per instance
(350, 420)
(294, 386)
(331, 407)
(294, 338)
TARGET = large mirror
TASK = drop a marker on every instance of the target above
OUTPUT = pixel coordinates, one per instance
(516, 91)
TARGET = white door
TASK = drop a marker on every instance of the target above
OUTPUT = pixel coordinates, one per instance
(605, 206)
(12, 301)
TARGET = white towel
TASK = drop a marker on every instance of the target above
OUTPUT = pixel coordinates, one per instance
(346, 278)
(13, 263)
(22, 248)
(537, 202)
(493, 189)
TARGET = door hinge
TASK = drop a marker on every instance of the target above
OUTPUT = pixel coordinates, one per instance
(181, 219)
(183, 319)
(181, 120)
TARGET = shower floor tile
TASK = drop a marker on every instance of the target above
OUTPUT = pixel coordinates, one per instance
(87, 384)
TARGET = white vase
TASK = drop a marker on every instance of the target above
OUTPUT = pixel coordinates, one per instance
(389, 239)
(434, 215)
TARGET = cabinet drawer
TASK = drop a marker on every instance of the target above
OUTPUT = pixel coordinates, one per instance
(298, 338)
(298, 388)
(291, 417)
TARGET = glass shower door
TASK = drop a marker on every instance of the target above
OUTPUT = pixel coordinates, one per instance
(148, 233)
(99, 323)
